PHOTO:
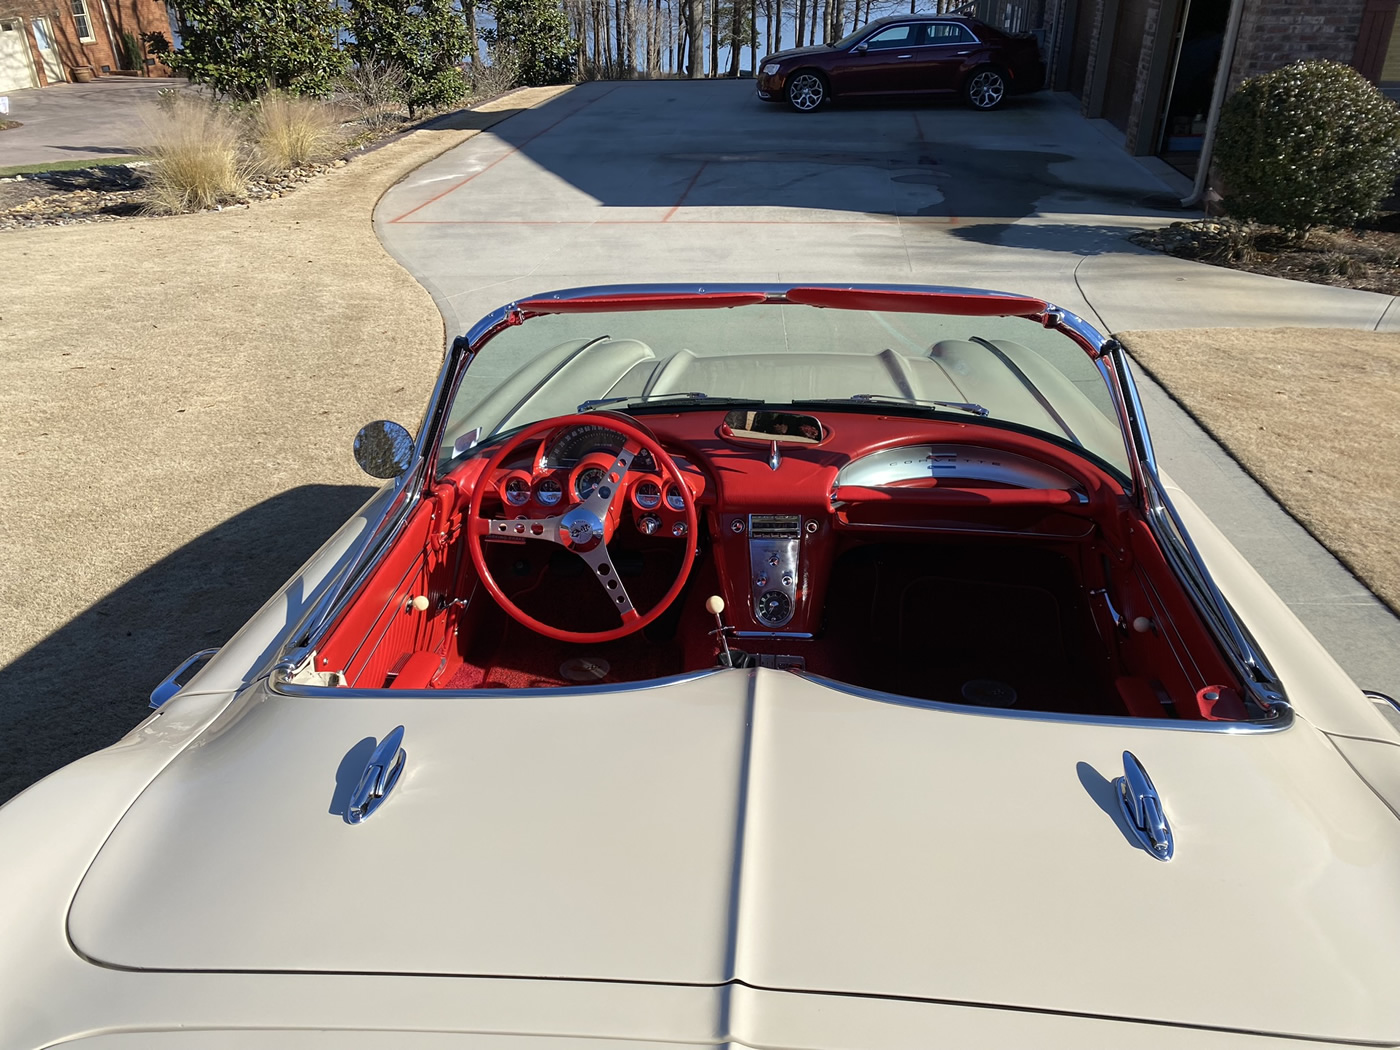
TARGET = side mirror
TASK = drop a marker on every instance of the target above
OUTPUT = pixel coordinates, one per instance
(383, 449)
(861, 49)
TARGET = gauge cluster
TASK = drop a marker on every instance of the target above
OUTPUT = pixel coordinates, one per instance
(573, 465)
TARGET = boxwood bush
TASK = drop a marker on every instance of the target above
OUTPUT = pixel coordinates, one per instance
(1313, 143)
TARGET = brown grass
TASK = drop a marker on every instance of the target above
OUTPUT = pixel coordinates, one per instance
(162, 482)
(1313, 415)
(199, 155)
(290, 132)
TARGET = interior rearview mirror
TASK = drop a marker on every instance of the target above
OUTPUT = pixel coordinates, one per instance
(746, 427)
(383, 449)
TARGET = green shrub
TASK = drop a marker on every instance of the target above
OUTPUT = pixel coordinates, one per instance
(132, 56)
(1313, 143)
(425, 39)
(241, 48)
(536, 34)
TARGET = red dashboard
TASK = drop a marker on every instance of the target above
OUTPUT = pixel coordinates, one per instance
(776, 522)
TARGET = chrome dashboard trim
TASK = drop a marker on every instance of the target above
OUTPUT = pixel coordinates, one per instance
(1279, 722)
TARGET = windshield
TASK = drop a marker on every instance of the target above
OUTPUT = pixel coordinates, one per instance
(993, 370)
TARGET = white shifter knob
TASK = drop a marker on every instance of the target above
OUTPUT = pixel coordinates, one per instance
(714, 604)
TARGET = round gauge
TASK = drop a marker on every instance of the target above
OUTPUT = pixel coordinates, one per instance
(773, 607)
(549, 492)
(674, 499)
(516, 490)
(589, 478)
(647, 494)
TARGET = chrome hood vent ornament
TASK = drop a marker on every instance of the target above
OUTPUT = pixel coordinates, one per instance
(1142, 809)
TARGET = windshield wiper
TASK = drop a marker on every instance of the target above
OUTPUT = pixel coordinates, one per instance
(694, 397)
(895, 399)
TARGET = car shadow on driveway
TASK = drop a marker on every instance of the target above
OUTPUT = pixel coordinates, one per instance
(88, 683)
(1075, 239)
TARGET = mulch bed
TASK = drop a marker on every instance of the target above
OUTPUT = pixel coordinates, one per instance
(111, 192)
(1365, 257)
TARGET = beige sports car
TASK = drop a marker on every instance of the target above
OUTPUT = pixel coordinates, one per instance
(783, 667)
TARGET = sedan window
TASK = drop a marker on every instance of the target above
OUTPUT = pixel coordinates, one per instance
(947, 33)
(894, 36)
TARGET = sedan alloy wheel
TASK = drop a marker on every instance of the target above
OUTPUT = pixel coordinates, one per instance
(806, 92)
(986, 89)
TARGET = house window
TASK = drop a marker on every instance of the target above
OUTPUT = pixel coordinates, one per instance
(83, 21)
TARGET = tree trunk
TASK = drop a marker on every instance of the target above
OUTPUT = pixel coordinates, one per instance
(736, 36)
(714, 38)
(753, 37)
(695, 39)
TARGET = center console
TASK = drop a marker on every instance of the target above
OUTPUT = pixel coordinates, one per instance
(776, 574)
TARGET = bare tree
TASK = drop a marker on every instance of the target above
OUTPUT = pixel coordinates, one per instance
(736, 36)
(753, 36)
(695, 34)
(714, 38)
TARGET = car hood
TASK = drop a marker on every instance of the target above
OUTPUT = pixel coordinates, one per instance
(764, 828)
(794, 52)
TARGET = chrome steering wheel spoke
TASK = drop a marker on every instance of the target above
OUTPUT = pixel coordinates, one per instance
(605, 572)
(520, 529)
(600, 502)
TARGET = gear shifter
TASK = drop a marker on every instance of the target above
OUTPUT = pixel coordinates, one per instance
(714, 605)
(727, 657)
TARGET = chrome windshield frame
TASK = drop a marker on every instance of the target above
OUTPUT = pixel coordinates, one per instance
(1107, 354)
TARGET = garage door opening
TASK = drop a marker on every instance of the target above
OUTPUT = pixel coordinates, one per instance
(1196, 63)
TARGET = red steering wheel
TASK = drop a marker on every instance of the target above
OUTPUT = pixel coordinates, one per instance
(584, 528)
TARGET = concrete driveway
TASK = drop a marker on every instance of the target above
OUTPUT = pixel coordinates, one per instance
(698, 181)
(105, 118)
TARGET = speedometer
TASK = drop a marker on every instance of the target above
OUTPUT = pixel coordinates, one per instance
(570, 447)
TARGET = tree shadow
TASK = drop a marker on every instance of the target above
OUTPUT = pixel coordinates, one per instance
(88, 683)
(612, 142)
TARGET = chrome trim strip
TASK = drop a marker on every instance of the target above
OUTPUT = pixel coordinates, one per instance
(1384, 698)
(1280, 721)
(1137, 418)
(170, 687)
(281, 687)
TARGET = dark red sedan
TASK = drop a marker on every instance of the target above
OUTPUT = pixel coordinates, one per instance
(907, 55)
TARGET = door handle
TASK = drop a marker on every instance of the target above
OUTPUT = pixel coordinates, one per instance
(903, 56)
(380, 775)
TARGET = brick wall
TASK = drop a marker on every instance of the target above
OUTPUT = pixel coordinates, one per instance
(1139, 119)
(1274, 33)
(107, 19)
(1095, 56)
